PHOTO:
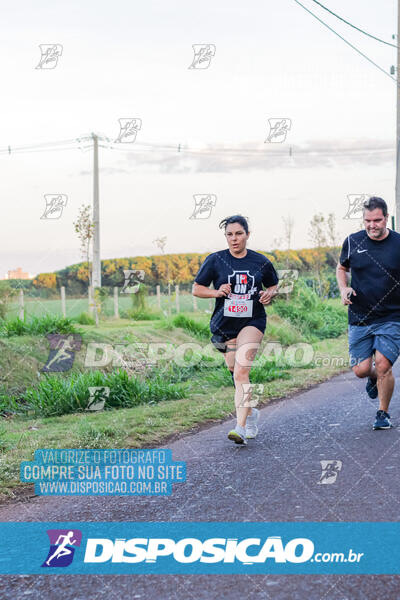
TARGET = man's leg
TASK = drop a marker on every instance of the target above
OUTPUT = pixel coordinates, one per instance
(385, 380)
(365, 368)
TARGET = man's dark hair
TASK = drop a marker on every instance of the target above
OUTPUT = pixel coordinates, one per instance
(235, 219)
(376, 202)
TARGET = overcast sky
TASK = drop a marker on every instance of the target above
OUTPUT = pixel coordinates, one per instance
(129, 59)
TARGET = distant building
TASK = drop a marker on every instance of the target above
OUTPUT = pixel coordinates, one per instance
(17, 274)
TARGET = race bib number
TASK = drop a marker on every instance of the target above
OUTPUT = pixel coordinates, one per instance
(238, 308)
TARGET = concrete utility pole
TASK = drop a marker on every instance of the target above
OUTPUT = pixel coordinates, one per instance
(398, 125)
(96, 271)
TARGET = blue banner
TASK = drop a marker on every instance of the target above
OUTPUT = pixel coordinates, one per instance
(199, 547)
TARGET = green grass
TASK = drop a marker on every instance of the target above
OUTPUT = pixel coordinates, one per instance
(150, 403)
(313, 318)
(145, 425)
(36, 326)
(198, 329)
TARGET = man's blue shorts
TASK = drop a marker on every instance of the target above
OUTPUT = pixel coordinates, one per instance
(365, 339)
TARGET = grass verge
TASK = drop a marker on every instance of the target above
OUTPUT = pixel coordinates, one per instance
(148, 425)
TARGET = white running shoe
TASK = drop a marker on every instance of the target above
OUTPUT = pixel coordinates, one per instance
(238, 435)
(251, 424)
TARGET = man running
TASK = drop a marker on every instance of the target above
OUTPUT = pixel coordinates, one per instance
(238, 321)
(373, 256)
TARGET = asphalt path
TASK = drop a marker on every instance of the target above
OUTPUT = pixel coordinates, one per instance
(274, 478)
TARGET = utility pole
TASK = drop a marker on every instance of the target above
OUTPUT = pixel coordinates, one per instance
(397, 223)
(96, 271)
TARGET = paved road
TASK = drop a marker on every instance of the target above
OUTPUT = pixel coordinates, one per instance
(274, 478)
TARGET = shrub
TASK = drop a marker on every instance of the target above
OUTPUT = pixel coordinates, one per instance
(57, 395)
(314, 318)
(85, 319)
(37, 326)
(196, 328)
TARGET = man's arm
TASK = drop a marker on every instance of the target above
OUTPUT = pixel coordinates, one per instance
(342, 277)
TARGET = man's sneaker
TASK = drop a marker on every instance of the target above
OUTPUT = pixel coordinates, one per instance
(238, 435)
(372, 388)
(251, 423)
(382, 420)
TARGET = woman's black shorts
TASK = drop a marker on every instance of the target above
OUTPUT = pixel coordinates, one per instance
(219, 339)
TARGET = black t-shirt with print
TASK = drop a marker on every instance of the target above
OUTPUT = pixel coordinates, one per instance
(375, 277)
(246, 275)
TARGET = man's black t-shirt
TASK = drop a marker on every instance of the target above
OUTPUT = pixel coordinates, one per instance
(375, 277)
(246, 276)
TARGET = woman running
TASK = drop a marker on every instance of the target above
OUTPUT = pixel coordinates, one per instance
(239, 320)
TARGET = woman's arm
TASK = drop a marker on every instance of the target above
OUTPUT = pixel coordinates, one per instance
(202, 291)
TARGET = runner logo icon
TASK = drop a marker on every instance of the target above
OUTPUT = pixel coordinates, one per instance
(62, 547)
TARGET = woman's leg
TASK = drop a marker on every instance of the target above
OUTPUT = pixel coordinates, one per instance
(229, 355)
(247, 344)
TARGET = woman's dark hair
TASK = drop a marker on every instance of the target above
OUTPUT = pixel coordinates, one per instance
(376, 202)
(235, 219)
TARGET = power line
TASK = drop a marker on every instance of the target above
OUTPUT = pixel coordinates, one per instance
(346, 41)
(42, 146)
(354, 26)
(181, 150)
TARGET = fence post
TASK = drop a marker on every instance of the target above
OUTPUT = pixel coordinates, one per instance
(63, 307)
(91, 306)
(158, 297)
(210, 304)
(21, 304)
(194, 303)
(116, 313)
(177, 297)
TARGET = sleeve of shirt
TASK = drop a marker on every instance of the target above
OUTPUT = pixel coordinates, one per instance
(206, 272)
(270, 276)
(345, 253)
